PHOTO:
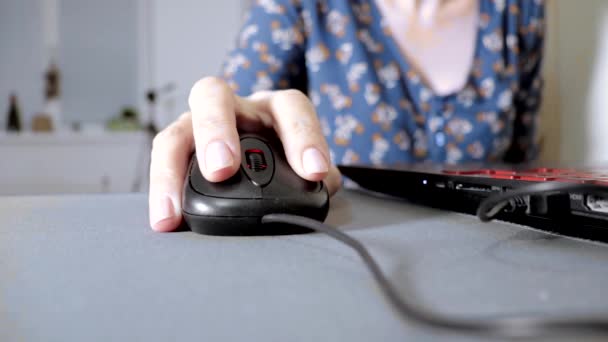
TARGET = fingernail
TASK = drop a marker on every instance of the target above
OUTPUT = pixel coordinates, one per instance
(314, 162)
(217, 156)
(162, 209)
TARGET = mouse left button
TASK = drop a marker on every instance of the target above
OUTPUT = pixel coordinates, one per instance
(233, 187)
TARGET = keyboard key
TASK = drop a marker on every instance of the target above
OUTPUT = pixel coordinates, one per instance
(499, 176)
(535, 178)
(462, 172)
(505, 172)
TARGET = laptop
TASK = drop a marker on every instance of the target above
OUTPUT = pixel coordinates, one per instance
(580, 213)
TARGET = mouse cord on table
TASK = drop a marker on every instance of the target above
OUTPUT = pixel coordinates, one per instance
(493, 205)
(504, 327)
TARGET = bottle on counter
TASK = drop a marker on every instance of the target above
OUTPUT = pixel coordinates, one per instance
(13, 123)
(52, 105)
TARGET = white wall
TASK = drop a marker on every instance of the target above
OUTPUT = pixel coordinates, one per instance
(98, 54)
(583, 79)
(22, 56)
(190, 39)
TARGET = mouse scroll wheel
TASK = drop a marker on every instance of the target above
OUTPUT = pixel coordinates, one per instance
(255, 160)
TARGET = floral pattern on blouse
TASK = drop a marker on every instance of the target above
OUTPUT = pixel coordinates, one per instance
(373, 105)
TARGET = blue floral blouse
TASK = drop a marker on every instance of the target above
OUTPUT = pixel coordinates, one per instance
(373, 105)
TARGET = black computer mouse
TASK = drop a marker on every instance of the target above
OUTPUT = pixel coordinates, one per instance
(264, 184)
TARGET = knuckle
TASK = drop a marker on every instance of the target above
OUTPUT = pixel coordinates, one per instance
(157, 141)
(173, 133)
(261, 95)
(290, 96)
(207, 85)
(185, 116)
(303, 127)
(214, 123)
(165, 174)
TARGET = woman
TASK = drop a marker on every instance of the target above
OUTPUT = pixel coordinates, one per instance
(372, 81)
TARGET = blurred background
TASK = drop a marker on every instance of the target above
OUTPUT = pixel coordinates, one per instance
(89, 79)
(99, 72)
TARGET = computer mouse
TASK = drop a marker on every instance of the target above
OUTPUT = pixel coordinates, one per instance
(264, 184)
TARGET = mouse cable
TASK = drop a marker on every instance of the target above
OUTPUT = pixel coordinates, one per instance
(504, 327)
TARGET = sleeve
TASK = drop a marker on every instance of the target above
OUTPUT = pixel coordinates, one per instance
(525, 145)
(269, 50)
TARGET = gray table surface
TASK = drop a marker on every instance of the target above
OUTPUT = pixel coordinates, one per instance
(88, 268)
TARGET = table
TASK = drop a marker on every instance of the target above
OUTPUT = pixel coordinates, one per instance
(88, 268)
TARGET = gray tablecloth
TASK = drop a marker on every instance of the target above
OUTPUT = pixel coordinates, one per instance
(88, 268)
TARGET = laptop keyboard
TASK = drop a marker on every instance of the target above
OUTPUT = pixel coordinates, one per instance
(598, 177)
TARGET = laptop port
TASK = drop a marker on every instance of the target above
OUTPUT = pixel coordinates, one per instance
(440, 185)
(596, 204)
(476, 187)
(518, 203)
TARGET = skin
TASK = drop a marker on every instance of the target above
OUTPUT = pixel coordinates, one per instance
(210, 128)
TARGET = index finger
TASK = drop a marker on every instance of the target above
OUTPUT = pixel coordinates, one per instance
(212, 103)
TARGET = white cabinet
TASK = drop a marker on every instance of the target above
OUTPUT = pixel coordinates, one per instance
(60, 163)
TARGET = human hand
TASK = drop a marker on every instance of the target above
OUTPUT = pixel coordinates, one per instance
(211, 128)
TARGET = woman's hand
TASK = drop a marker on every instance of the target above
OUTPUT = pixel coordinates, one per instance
(211, 128)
